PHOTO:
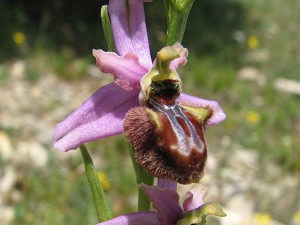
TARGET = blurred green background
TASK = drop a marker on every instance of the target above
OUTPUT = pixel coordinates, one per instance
(244, 54)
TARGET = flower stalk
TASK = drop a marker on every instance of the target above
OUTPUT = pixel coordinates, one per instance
(141, 177)
(177, 13)
(102, 208)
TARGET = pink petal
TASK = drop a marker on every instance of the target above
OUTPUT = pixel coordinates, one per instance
(126, 69)
(136, 218)
(100, 116)
(163, 183)
(165, 201)
(129, 29)
(218, 114)
(181, 61)
(194, 199)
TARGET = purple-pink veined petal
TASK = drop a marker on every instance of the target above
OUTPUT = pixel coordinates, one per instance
(100, 116)
(218, 114)
(181, 61)
(194, 198)
(166, 202)
(163, 183)
(126, 69)
(136, 218)
(129, 29)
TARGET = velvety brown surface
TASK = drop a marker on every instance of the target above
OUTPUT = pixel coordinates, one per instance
(153, 151)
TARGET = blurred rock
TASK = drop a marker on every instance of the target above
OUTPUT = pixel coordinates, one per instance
(272, 30)
(258, 56)
(15, 196)
(251, 74)
(226, 141)
(241, 167)
(244, 159)
(31, 153)
(287, 86)
(8, 179)
(17, 70)
(5, 146)
(94, 71)
(7, 215)
(212, 163)
(239, 210)
(239, 36)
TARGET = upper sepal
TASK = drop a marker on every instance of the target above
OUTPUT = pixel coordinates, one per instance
(129, 29)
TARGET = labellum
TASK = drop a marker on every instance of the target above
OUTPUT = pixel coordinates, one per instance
(167, 138)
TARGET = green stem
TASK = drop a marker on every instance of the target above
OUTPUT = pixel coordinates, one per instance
(103, 210)
(107, 29)
(141, 177)
(177, 14)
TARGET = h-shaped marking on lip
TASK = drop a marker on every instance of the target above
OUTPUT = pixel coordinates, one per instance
(172, 112)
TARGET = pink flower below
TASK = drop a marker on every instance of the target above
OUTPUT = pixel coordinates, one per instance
(166, 202)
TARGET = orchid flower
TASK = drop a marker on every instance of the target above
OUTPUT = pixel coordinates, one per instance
(176, 120)
(145, 102)
(168, 209)
(102, 115)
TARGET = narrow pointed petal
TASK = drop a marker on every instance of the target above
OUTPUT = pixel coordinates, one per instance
(129, 29)
(126, 70)
(217, 115)
(100, 116)
(194, 198)
(136, 218)
(166, 202)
